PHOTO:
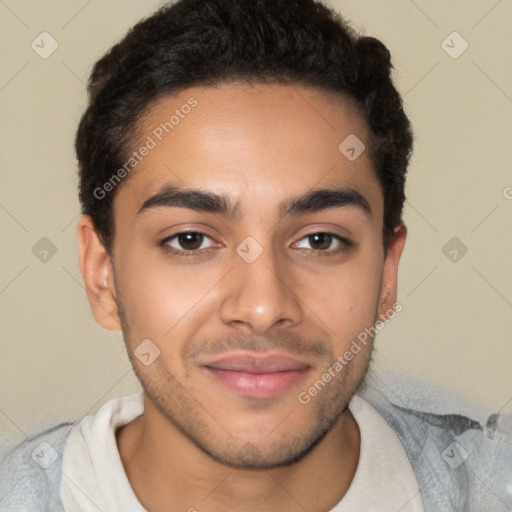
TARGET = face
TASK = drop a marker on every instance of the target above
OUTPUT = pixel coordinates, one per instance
(247, 258)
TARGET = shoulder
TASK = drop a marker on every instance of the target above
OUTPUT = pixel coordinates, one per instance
(30, 472)
(461, 463)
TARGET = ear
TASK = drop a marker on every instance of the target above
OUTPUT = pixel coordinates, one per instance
(97, 274)
(390, 272)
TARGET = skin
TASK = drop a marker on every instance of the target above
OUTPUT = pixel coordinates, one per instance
(198, 444)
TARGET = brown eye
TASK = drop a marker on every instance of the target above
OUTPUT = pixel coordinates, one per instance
(186, 242)
(323, 242)
(190, 241)
(320, 241)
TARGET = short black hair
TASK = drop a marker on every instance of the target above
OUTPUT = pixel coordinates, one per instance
(207, 42)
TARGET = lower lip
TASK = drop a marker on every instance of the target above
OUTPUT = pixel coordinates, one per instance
(258, 385)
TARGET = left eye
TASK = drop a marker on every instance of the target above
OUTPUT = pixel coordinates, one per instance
(322, 242)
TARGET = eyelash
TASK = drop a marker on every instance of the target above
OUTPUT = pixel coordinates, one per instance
(345, 246)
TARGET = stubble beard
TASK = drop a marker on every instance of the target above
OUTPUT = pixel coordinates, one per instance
(193, 419)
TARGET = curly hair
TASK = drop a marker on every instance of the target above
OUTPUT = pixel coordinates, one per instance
(206, 42)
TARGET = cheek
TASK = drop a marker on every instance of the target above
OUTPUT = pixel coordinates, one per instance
(346, 298)
(156, 294)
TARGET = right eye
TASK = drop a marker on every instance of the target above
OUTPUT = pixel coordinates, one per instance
(185, 243)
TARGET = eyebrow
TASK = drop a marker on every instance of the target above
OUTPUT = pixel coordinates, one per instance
(312, 201)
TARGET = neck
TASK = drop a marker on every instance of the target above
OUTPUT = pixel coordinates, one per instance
(167, 471)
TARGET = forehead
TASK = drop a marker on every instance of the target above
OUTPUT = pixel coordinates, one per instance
(256, 143)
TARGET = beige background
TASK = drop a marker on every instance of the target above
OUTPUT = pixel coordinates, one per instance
(455, 327)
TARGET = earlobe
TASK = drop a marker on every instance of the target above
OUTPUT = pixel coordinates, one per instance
(390, 272)
(96, 269)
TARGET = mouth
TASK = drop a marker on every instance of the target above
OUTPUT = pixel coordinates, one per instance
(258, 375)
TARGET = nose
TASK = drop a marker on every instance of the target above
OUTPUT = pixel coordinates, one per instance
(261, 294)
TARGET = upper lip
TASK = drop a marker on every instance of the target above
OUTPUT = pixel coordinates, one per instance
(256, 363)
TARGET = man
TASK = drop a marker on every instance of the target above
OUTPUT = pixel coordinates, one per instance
(242, 169)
